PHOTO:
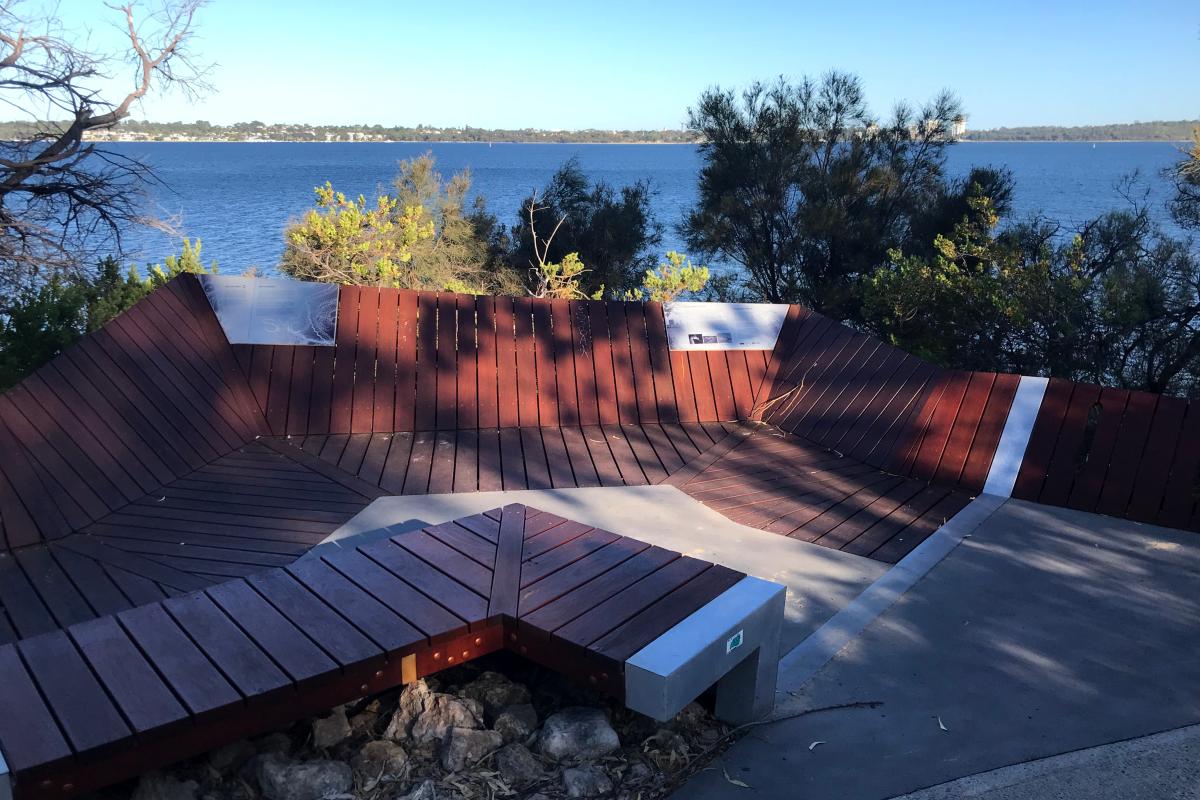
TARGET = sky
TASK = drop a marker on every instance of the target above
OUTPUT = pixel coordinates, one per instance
(639, 65)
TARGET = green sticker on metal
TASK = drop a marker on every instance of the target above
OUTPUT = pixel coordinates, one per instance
(734, 642)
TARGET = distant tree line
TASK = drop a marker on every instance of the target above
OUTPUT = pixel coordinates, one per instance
(1157, 131)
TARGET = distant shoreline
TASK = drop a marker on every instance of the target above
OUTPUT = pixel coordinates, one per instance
(585, 144)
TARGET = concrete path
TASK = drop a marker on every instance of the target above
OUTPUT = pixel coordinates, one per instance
(1045, 631)
(820, 581)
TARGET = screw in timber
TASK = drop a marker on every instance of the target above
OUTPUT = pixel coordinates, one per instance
(379, 674)
(450, 660)
(466, 653)
(68, 787)
(478, 641)
(437, 656)
(512, 637)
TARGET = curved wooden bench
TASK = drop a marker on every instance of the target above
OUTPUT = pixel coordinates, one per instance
(106, 699)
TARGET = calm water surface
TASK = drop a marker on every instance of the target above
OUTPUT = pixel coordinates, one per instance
(238, 197)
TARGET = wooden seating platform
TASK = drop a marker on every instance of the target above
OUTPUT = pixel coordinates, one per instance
(110, 697)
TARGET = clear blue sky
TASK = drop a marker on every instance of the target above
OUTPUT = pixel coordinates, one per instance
(640, 64)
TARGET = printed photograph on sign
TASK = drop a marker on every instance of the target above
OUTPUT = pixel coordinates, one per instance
(723, 326)
(273, 311)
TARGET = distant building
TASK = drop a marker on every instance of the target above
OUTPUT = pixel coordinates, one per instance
(960, 127)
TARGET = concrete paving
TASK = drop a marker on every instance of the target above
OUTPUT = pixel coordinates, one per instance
(1045, 631)
(820, 581)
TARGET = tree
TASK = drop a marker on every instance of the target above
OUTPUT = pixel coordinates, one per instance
(805, 190)
(613, 231)
(1185, 206)
(417, 238)
(62, 198)
(671, 280)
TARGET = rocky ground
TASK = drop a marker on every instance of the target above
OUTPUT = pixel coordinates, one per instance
(470, 732)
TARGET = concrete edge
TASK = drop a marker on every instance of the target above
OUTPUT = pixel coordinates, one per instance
(1010, 452)
(812, 654)
(1014, 775)
(5, 780)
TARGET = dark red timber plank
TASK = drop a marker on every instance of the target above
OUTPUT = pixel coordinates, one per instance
(25, 608)
(828, 401)
(1153, 473)
(536, 594)
(367, 614)
(447, 361)
(447, 560)
(466, 461)
(580, 457)
(383, 414)
(1180, 495)
(623, 455)
(362, 412)
(426, 416)
(479, 548)
(300, 391)
(792, 372)
(570, 552)
(86, 714)
(396, 464)
(702, 386)
(467, 369)
(260, 374)
(144, 700)
(279, 388)
(491, 470)
(47, 515)
(1128, 454)
(1042, 439)
(643, 371)
(654, 470)
(987, 435)
(418, 610)
(681, 381)
(488, 382)
(1069, 450)
(375, 458)
(54, 587)
(527, 375)
(756, 366)
(920, 446)
(317, 465)
(406, 361)
(583, 351)
(1093, 466)
(241, 661)
(441, 474)
(722, 384)
(834, 353)
(607, 615)
(420, 463)
(93, 583)
(544, 350)
(603, 361)
(506, 578)
(964, 428)
(512, 460)
(909, 411)
(608, 586)
(858, 522)
(537, 468)
(566, 387)
(622, 643)
(625, 381)
(558, 459)
(447, 591)
(851, 432)
(508, 387)
(660, 362)
(793, 324)
(189, 672)
(903, 543)
(739, 376)
(341, 400)
(607, 470)
(19, 528)
(31, 735)
(320, 406)
(305, 607)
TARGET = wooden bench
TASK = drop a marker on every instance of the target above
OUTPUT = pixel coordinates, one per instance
(109, 698)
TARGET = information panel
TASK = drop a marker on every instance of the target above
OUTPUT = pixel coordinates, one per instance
(273, 310)
(723, 326)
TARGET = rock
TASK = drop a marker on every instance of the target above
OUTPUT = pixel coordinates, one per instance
(157, 786)
(577, 733)
(586, 782)
(379, 761)
(231, 757)
(426, 791)
(515, 723)
(443, 712)
(364, 721)
(495, 691)
(517, 766)
(413, 700)
(667, 749)
(280, 779)
(463, 747)
(332, 730)
(278, 743)
(638, 772)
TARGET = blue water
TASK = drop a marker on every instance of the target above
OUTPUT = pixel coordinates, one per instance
(238, 197)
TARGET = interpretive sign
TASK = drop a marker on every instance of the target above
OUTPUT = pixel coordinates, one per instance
(273, 310)
(723, 326)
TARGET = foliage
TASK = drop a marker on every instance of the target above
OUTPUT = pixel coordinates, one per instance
(1159, 130)
(418, 238)
(563, 280)
(44, 320)
(1185, 206)
(612, 231)
(62, 199)
(805, 190)
(1118, 303)
(672, 279)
